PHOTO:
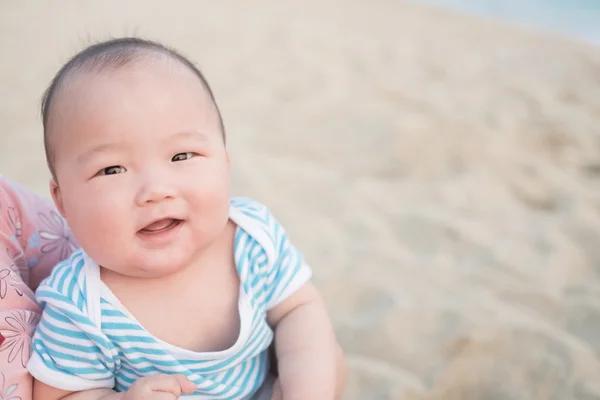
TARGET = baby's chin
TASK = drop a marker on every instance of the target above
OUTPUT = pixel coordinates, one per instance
(156, 269)
(151, 271)
(148, 273)
(151, 268)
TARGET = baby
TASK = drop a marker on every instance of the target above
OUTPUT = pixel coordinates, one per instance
(178, 290)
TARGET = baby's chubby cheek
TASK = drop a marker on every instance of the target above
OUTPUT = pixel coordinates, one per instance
(94, 221)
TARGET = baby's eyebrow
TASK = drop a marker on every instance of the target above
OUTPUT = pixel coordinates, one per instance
(102, 148)
(196, 135)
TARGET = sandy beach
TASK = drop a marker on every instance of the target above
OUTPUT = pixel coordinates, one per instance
(440, 172)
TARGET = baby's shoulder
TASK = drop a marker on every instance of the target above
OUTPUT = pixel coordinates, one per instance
(257, 225)
(249, 206)
(66, 282)
(256, 219)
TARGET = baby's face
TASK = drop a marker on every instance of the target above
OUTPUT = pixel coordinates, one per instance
(141, 166)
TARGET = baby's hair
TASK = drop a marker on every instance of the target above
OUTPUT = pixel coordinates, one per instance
(111, 54)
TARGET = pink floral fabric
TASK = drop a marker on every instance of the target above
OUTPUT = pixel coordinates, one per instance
(33, 238)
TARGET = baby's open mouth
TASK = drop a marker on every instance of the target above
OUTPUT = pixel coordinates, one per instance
(161, 226)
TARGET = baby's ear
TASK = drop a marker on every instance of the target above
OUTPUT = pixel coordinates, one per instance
(57, 197)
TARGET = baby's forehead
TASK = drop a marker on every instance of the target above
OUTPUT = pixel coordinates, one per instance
(124, 102)
(158, 77)
(144, 72)
(133, 122)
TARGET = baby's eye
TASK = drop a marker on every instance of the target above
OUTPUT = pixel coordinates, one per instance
(115, 169)
(182, 156)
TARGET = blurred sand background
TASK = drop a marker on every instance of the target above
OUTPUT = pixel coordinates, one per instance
(441, 173)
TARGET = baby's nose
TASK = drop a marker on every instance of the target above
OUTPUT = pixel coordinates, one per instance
(154, 191)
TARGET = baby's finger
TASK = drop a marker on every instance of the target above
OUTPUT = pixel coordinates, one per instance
(185, 384)
(168, 384)
(161, 396)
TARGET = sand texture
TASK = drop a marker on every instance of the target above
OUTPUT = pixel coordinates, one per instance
(440, 172)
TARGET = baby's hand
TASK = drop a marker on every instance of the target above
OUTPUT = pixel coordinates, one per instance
(159, 387)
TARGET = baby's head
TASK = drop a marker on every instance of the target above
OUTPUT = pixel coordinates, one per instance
(136, 147)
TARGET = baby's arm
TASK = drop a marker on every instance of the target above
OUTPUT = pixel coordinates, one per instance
(154, 387)
(310, 363)
(41, 391)
(305, 346)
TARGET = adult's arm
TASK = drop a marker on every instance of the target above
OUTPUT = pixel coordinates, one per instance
(33, 238)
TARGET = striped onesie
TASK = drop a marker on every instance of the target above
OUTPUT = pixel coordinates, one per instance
(86, 339)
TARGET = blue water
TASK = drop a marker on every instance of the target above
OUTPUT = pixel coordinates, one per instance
(576, 18)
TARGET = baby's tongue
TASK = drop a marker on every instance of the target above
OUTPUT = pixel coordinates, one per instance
(158, 225)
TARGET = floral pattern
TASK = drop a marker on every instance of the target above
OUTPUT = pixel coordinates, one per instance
(8, 277)
(57, 235)
(33, 238)
(15, 220)
(18, 339)
(18, 260)
(8, 393)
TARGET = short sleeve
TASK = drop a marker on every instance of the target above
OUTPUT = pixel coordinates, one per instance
(69, 351)
(289, 271)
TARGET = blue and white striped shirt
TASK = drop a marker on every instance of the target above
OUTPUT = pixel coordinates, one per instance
(86, 339)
